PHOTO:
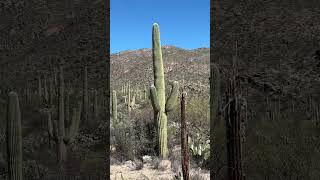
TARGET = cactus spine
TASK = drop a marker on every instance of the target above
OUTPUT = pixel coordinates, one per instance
(160, 105)
(14, 138)
(114, 106)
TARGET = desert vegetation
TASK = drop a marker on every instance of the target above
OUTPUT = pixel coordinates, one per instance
(146, 126)
(74, 146)
(45, 48)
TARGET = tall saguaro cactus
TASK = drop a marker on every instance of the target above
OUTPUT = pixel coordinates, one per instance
(160, 105)
(14, 138)
(58, 131)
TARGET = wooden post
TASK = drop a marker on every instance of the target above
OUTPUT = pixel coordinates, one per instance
(184, 140)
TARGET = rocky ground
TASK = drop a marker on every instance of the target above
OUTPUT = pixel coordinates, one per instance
(128, 171)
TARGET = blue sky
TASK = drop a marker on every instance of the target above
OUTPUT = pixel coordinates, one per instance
(183, 23)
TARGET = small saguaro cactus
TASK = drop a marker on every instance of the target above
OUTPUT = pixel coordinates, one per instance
(133, 101)
(114, 106)
(51, 91)
(95, 105)
(160, 104)
(144, 92)
(45, 89)
(39, 89)
(14, 138)
(129, 99)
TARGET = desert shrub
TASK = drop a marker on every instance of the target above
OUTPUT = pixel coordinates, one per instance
(94, 161)
(197, 116)
(122, 139)
(218, 151)
(197, 111)
(282, 148)
(33, 170)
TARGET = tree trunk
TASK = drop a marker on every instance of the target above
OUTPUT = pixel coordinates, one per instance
(184, 140)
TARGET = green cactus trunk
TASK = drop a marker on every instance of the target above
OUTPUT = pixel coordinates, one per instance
(67, 109)
(114, 106)
(129, 98)
(158, 95)
(14, 138)
(133, 102)
(144, 92)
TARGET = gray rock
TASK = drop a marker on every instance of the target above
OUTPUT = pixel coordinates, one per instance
(131, 165)
(164, 165)
(146, 159)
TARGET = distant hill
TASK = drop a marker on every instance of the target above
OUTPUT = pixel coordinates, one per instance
(136, 67)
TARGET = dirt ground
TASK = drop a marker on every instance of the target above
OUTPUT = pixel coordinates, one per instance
(146, 173)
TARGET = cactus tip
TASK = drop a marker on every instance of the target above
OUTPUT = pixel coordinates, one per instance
(12, 93)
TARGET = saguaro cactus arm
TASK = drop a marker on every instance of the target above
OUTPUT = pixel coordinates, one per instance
(61, 104)
(50, 125)
(72, 131)
(72, 127)
(154, 98)
(173, 98)
(55, 130)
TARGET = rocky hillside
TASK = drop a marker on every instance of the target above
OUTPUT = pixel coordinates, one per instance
(136, 67)
(294, 84)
